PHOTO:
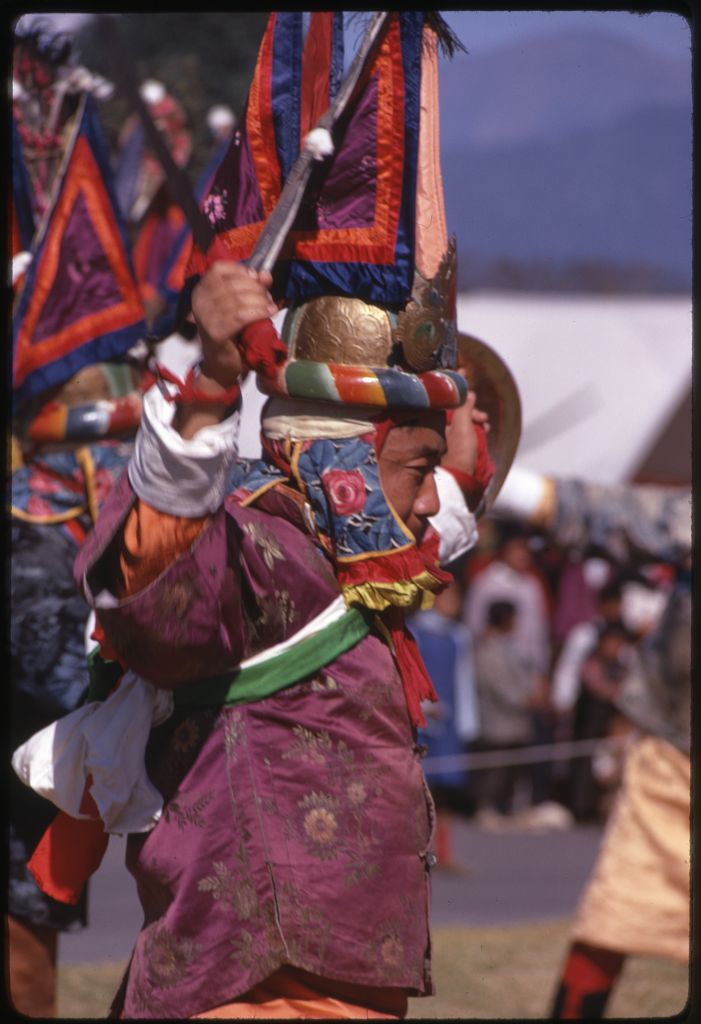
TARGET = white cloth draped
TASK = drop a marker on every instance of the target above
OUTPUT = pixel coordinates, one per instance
(184, 477)
(105, 740)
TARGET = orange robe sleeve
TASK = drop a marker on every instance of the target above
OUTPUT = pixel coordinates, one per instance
(151, 540)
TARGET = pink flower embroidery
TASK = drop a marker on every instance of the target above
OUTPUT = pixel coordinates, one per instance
(215, 206)
(346, 490)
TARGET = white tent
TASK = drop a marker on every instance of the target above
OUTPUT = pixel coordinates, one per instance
(601, 378)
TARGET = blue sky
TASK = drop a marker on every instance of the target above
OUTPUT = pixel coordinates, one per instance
(484, 30)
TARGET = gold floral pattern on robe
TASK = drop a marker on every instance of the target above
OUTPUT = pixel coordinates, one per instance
(169, 955)
(337, 822)
(266, 543)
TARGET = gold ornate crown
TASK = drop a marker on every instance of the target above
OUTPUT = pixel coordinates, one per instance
(342, 330)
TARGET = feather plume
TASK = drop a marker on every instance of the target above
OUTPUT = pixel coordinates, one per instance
(448, 41)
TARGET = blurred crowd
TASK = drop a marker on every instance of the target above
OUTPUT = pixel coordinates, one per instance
(540, 637)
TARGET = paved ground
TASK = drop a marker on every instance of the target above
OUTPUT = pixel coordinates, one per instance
(514, 877)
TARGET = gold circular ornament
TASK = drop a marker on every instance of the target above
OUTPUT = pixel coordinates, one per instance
(420, 332)
(339, 329)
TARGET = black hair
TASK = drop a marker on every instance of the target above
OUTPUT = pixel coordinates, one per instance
(499, 613)
(610, 592)
(512, 531)
(614, 629)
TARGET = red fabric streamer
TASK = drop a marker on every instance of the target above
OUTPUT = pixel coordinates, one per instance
(316, 66)
(188, 393)
(415, 678)
(69, 852)
(71, 849)
(416, 681)
(390, 567)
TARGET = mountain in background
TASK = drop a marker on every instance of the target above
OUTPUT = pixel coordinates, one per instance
(554, 83)
(571, 150)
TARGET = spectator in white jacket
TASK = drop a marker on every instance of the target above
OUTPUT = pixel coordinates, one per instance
(511, 577)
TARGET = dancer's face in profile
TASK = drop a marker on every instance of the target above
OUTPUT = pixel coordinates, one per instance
(407, 462)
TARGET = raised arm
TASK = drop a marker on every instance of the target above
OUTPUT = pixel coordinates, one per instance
(227, 299)
(157, 563)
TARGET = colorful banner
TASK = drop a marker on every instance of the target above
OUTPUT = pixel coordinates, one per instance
(171, 279)
(154, 245)
(354, 233)
(80, 303)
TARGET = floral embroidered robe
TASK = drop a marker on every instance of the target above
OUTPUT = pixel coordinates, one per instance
(296, 829)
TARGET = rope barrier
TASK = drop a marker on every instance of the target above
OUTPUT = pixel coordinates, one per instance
(564, 751)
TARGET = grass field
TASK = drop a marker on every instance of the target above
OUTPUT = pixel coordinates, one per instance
(479, 973)
(512, 973)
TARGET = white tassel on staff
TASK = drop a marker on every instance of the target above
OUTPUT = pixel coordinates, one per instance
(319, 143)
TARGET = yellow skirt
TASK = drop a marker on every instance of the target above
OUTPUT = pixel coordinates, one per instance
(637, 898)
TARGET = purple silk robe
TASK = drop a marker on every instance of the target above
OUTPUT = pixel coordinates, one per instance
(296, 829)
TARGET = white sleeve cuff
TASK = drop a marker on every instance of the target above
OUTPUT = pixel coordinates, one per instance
(178, 476)
(454, 523)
